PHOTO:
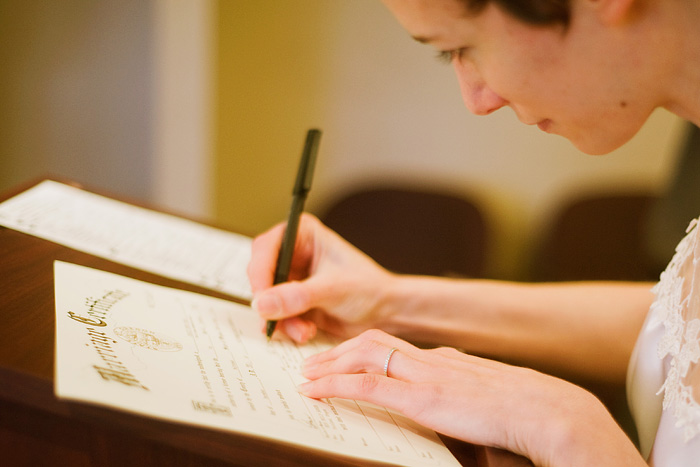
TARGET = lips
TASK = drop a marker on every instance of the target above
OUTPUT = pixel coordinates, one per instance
(544, 125)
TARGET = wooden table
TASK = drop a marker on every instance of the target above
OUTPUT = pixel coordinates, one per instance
(38, 429)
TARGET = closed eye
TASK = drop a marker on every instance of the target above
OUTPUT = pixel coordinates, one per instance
(446, 56)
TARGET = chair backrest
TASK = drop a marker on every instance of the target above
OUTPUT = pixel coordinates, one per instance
(413, 231)
(672, 212)
(598, 237)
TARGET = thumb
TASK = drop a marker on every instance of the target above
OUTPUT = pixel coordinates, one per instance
(283, 300)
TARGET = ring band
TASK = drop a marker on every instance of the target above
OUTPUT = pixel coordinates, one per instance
(388, 358)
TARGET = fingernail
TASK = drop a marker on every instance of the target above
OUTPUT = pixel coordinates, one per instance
(296, 334)
(305, 388)
(267, 304)
(302, 331)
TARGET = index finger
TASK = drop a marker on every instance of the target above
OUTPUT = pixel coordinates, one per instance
(367, 342)
(265, 248)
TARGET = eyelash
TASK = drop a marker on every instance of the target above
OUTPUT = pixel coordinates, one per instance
(446, 56)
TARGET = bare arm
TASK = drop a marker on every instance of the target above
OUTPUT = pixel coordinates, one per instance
(588, 328)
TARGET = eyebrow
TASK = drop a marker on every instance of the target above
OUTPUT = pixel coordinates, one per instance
(423, 40)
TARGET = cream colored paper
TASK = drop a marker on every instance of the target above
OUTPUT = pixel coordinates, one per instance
(198, 360)
(155, 242)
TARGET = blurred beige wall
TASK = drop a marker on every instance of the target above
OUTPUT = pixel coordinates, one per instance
(390, 113)
(76, 93)
(114, 94)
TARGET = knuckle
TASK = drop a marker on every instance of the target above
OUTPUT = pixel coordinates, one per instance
(374, 335)
(297, 299)
(367, 383)
(371, 343)
(308, 217)
(256, 242)
(447, 351)
(259, 242)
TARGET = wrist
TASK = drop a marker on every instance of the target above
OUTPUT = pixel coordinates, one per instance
(582, 433)
(423, 309)
(387, 307)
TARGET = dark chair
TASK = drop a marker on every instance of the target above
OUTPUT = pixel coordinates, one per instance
(598, 237)
(413, 231)
(624, 236)
(678, 204)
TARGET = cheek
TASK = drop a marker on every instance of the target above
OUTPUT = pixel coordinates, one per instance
(517, 78)
(518, 67)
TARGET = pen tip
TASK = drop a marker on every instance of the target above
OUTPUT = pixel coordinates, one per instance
(270, 329)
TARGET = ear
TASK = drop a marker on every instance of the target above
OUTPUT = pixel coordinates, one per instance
(613, 12)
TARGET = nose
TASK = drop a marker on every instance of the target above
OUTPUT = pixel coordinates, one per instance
(477, 96)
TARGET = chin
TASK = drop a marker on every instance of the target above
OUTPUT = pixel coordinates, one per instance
(594, 151)
(601, 139)
(598, 146)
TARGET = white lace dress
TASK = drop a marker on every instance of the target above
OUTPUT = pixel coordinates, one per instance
(663, 380)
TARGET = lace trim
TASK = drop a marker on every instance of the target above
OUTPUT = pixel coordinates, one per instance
(677, 306)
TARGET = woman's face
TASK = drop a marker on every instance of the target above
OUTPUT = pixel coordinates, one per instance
(574, 81)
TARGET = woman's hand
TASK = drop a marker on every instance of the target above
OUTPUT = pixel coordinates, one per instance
(477, 400)
(331, 285)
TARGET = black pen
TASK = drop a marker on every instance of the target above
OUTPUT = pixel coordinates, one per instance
(301, 190)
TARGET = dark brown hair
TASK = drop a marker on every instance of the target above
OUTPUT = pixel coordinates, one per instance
(538, 12)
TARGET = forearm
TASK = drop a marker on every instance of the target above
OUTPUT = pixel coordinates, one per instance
(585, 328)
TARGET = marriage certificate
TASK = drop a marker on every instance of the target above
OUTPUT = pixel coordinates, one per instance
(193, 359)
